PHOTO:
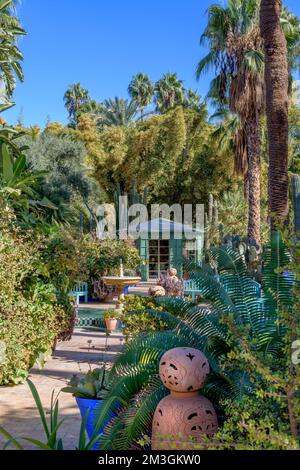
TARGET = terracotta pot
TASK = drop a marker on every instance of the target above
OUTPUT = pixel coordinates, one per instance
(183, 417)
(111, 324)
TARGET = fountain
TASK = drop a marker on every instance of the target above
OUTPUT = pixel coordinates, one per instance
(120, 282)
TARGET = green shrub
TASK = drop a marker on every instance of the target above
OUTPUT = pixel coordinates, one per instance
(255, 423)
(65, 258)
(113, 313)
(105, 256)
(143, 321)
(31, 316)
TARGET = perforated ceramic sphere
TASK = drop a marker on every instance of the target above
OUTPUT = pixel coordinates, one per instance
(178, 420)
(183, 369)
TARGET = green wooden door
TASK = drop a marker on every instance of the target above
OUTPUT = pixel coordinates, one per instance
(144, 254)
(176, 255)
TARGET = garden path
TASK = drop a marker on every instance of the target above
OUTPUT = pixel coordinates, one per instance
(18, 413)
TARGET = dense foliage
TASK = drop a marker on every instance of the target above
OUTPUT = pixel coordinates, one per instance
(247, 339)
(138, 318)
(159, 143)
(31, 317)
(171, 155)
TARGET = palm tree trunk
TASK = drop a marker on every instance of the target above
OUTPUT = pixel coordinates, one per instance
(253, 176)
(246, 186)
(276, 80)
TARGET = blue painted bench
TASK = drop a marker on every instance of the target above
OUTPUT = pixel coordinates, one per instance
(190, 288)
(80, 290)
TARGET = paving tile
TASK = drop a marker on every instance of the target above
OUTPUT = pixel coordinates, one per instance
(18, 413)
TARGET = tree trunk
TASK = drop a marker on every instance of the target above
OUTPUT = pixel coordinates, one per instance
(292, 416)
(253, 176)
(246, 186)
(276, 80)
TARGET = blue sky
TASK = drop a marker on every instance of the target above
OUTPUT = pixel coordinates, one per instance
(102, 44)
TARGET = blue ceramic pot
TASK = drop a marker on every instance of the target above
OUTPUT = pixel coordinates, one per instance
(93, 407)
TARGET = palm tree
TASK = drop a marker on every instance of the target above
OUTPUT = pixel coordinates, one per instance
(169, 92)
(232, 35)
(276, 80)
(74, 98)
(118, 112)
(291, 27)
(10, 55)
(141, 90)
(94, 109)
(191, 99)
(231, 135)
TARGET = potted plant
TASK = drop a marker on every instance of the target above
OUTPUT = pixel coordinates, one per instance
(89, 392)
(111, 318)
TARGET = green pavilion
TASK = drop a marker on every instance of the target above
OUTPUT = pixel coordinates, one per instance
(163, 243)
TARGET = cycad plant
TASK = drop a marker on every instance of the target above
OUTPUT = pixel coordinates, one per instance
(245, 336)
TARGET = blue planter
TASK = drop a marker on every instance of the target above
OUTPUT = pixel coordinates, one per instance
(126, 289)
(93, 407)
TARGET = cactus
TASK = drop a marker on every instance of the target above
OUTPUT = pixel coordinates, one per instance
(134, 197)
(296, 198)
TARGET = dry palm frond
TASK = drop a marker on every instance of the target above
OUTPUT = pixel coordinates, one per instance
(247, 83)
(241, 154)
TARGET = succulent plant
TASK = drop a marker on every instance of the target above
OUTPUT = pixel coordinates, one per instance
(92, 385)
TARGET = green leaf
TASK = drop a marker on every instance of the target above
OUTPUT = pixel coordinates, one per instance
(11, 439)
(6, 163)
(254, 61)
(82, 434)
(60, 445)
(19, 165)
(39, 407)
(4, 4)
(52, 438)
(47, 203)
(38, 443)
(18, 69)
(4, 107)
